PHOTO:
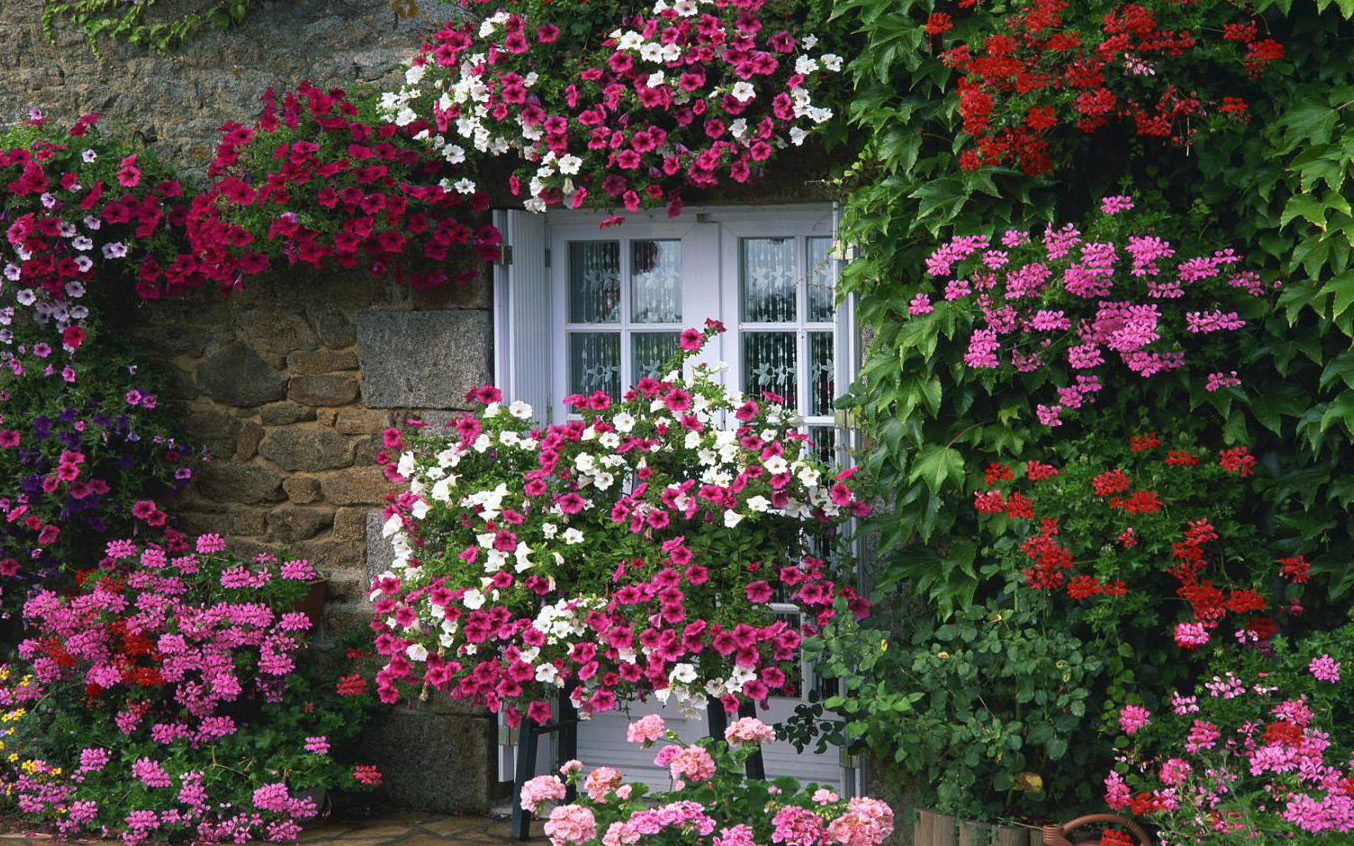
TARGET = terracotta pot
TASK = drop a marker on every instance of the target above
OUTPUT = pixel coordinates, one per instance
(312, 604)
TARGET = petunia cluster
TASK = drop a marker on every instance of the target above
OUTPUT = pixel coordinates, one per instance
(1064, 305)
(1259, 752)
(1163, 71)
(320, 180)
(183, 677)
(79, 210)
(711, 803)
(1154, 533)
(678, 542)
(619, 107)
(87, 452)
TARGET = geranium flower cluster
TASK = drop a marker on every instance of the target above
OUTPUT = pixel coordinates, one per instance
(182, 676)
(79, 206)
(690, 93)
(712, 802)
(1165, 70)
(639, 547)
(1158, 527)
(1066, 303)
(1259, 752)
(319, 179)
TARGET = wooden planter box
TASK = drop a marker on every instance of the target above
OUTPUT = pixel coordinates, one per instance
(934, 829)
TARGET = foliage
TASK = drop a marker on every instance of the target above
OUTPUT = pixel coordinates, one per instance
(712, 801)
(173, 698)
(1152, 541)
(322, 179)
(138, 23)
(933, 425)
(1119, 574)
(1261, 750)
(611, 106)
(988, 713)
(1039, 310)
(640, 548)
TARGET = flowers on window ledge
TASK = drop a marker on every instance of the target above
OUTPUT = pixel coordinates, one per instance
(693, 93)
(638, 549)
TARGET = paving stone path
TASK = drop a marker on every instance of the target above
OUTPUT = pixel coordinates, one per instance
(414, 829)
(401, 828)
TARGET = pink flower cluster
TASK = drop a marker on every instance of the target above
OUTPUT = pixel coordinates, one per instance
(709, 804)
(1066, 304)
(687, 94)
(524, 565)
(1248, 761)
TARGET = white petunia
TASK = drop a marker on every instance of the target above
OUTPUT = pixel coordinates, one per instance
(417, 652)
(805, 66)
(624, 422)
(759, 503)
(520, 410)
(473, 599)
(573, 536)
(569, 164)
(732, 519)
(831, 61)
(464, 186)
(407, 464)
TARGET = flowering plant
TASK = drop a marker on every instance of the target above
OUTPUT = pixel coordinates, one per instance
(81, 205)
(1058, 306)
(86, 450)
(1166, 69)
(1260, 751)
(618, 106)
(321, 177)
(639, 547)
(712, 802)
(183, 682)
(1155, 535)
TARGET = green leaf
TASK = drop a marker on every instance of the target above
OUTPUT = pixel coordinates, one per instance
(937, 464)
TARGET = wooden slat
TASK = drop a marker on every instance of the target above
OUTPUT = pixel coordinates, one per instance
(974, 833)
(1009, 835)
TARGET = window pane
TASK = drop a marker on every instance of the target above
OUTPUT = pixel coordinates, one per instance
(823, 440)
(820, 279)
(822, 381)
(594, 281)
(595, 363)
(656, 281)
(767, 271)
(648, 351)
(769, 365)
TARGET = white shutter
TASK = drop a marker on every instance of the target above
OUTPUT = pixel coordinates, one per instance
(522, 338)
(522, 312)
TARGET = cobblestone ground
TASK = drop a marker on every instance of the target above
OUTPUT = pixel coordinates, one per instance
(401, 828)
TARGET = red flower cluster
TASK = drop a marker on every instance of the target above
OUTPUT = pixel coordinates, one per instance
(1049, 62)
(377, 200)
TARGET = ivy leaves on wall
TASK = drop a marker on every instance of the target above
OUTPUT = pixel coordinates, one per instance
(140, 22)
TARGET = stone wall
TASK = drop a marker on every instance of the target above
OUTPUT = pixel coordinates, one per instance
(289, 385)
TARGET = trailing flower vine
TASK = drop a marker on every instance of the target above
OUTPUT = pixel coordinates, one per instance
(688, 95)
(638, 549)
